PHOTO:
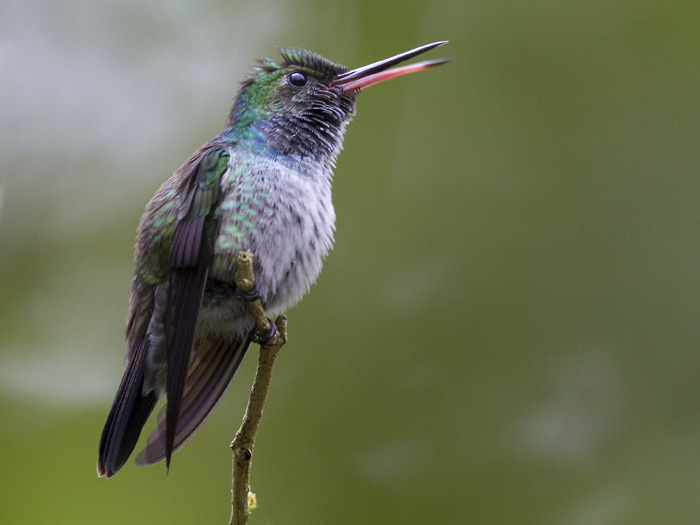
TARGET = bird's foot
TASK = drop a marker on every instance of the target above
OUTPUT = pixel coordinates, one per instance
(250, 295)
(267, 338)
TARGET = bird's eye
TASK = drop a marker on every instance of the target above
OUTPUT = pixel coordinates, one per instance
(297, 79)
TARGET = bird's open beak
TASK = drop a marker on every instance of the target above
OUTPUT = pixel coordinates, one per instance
(379, 71)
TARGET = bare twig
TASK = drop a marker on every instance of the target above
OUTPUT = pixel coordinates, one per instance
(242, 500)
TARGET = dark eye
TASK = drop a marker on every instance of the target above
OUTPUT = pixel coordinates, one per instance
(297, 79)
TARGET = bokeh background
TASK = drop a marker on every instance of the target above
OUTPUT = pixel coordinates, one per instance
(507, 330)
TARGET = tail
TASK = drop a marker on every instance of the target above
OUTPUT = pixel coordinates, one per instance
(208, 377)
(126, 418)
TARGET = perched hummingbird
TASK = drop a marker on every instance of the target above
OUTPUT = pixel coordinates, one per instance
(263, 184)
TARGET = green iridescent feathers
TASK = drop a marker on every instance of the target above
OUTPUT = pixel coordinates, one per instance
(260, 90)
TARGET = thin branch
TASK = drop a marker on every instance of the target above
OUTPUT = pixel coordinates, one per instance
(242, 500)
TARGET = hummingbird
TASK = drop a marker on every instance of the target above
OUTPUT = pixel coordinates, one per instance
(263, 184)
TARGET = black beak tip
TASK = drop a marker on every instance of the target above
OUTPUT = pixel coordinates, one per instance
(383, 65)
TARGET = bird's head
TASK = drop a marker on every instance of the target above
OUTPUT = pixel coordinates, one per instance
(301, 104)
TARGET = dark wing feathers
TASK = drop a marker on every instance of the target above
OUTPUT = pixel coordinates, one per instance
(184, 297)
(190, 256)
(127, 416)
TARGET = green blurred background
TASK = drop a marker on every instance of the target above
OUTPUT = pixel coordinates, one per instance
(507, 329)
